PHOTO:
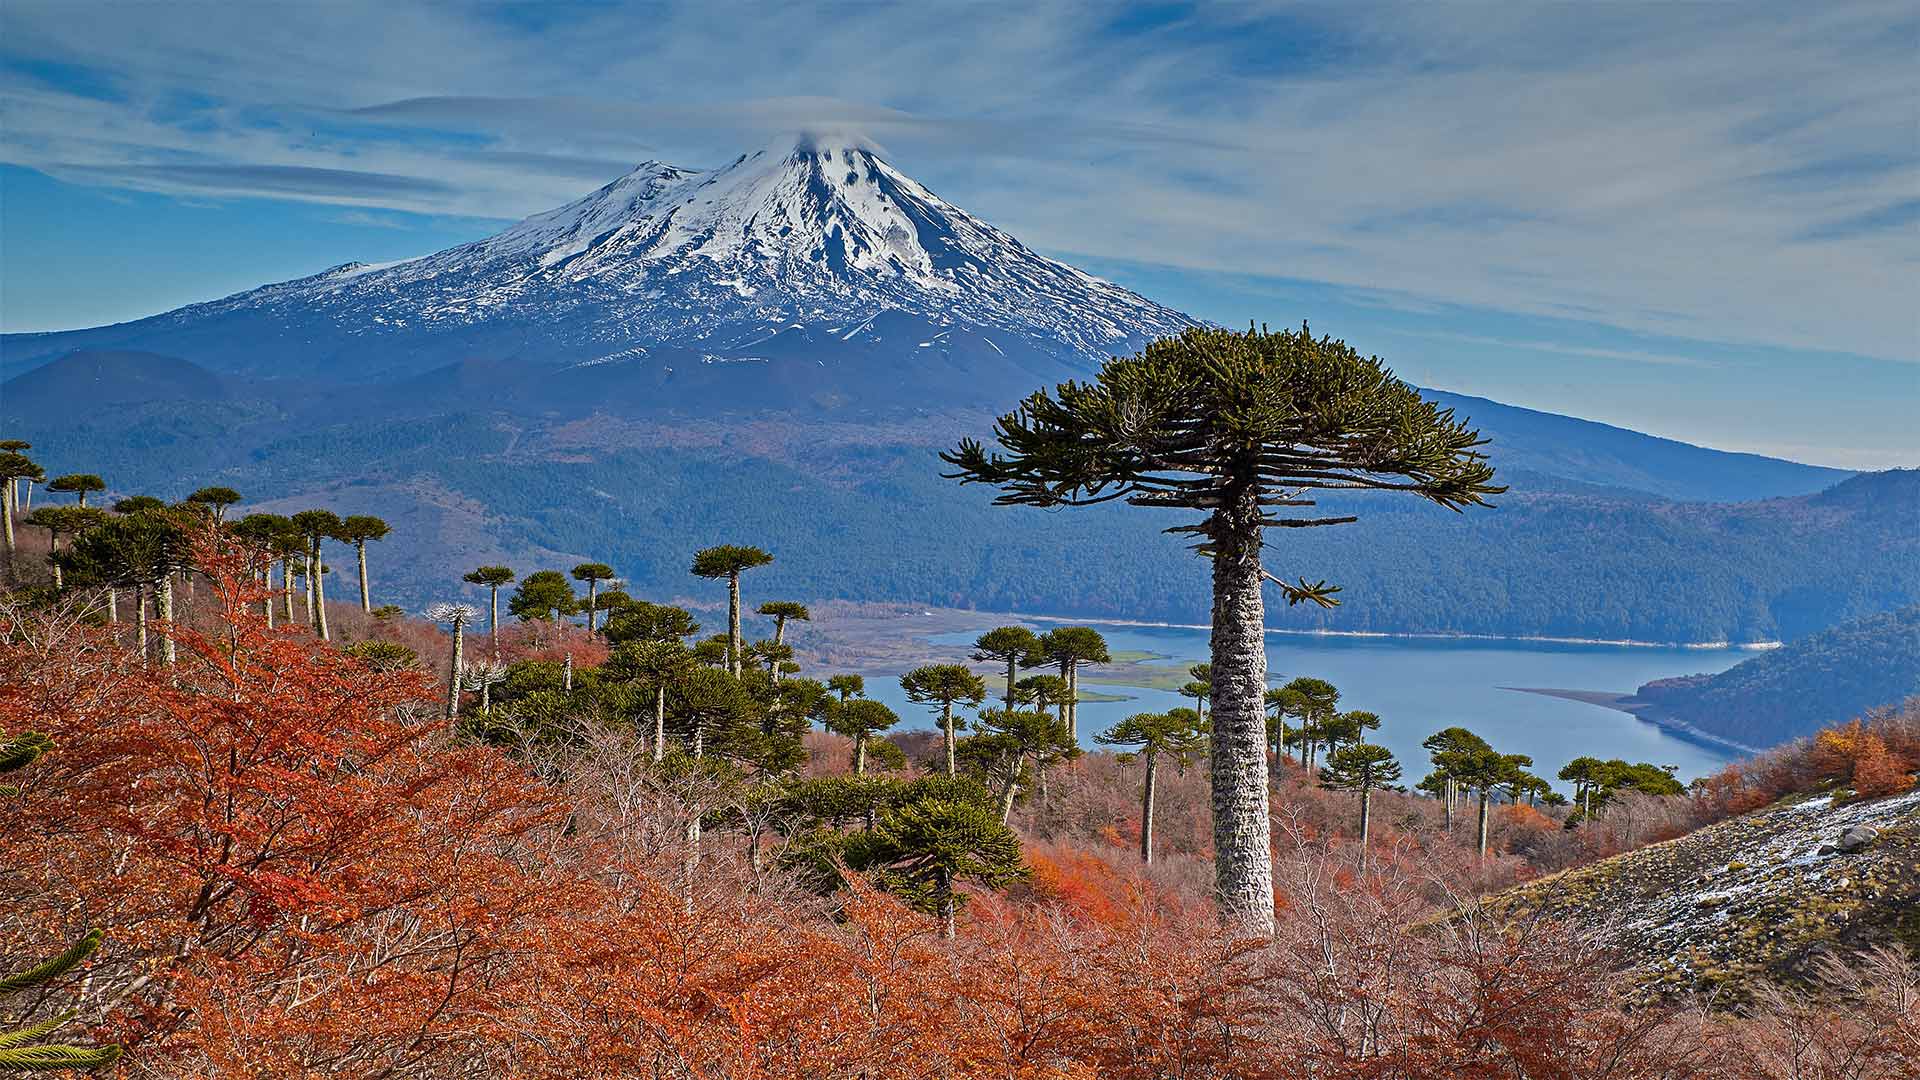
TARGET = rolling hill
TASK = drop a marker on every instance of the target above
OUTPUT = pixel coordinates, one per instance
(1791, 692)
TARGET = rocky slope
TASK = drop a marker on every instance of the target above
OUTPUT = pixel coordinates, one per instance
(1755, 898)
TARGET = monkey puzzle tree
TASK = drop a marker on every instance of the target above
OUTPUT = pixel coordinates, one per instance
(493, 578)
(1595, 781)
(847, 686)
(921, 850)
(140, 551)
(265, 535)
(358, 529)
(1008, 741)
(1044, 692)
(456, 617)
(1311, 704)
(1073, 647)
(783, 612)
(79, 485)
(62, 521)
(544, 596)
(316, 526)
(14, 467)
(1449, 748)
(1245, 428)
(215, 499)
(1180, 734)
(593, 573)
(1012, 646)
(1347, 728)
(860, 720)
(644, 621)
(1481, 770)
(945, 685)
(655, 666)
(1360, 767)
(730, 561)
(25, 1049)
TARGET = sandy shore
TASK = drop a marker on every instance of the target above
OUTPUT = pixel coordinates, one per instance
(1633, 706)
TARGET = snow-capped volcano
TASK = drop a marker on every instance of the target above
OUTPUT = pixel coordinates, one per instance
(806, 252)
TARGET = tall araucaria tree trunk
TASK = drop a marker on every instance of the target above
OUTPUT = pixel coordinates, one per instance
(1366, 817)
(320, 593)
(140, 620)
(943, 890)
(1073, 701)
(453, 674)
(113, 608)
(660, 721)
(735, 647)
(366, 596)
(312, 559)
(286, 588)
(1012, 789)
(1242, 830)
(1483, 823)
(169, 653)
(946, 734)
(860, 754)
(493, 622)
(6, 511)
(1146, 804)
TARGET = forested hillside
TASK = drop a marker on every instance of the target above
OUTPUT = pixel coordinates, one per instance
(858, 511)
(1791, 692)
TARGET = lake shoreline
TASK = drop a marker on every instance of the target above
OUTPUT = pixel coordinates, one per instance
(1624, 643)
(1632, 706)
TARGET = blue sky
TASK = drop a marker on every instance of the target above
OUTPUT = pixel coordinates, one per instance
(1697, 220)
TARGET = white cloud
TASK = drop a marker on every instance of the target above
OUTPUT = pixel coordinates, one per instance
(1728, 173)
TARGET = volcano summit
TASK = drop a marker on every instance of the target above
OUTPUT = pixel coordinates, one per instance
(816, 264)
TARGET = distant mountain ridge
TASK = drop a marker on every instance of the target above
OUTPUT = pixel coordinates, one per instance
(772, 352)
(790, 257)
(1534, 442)
(472, 468)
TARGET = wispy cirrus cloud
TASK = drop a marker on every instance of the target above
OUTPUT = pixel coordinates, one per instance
(1741, 175)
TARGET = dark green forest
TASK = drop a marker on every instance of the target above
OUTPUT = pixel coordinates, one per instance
(1825, 678)
(877, 523)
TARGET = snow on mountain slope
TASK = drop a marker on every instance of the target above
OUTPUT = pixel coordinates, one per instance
(813, 241)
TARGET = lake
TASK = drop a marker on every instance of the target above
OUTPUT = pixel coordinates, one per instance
(1419, 686)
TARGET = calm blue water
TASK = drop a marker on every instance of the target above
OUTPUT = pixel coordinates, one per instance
(1420, 686)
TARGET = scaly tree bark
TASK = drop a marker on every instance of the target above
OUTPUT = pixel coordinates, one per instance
(1236, 426)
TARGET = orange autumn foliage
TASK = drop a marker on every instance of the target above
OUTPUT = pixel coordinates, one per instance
(302, 874)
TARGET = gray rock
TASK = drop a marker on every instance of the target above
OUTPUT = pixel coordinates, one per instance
(1855, 838)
